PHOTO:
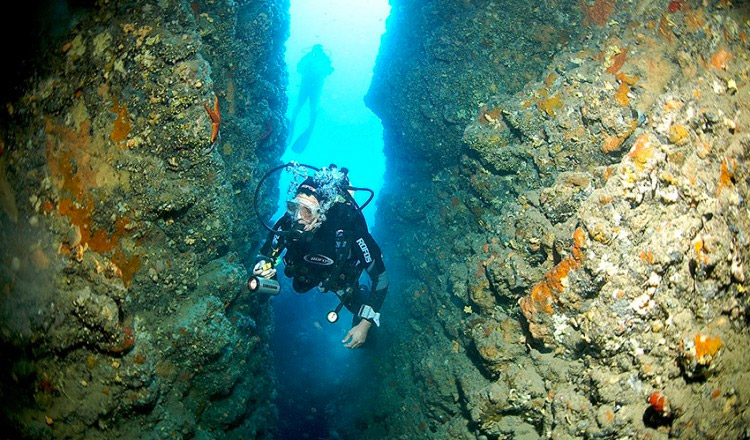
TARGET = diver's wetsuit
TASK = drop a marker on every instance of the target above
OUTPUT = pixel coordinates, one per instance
(332, 256)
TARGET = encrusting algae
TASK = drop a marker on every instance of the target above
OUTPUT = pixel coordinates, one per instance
(720, 59)
(617, 61)
(726, 177)
(621, 96)
(544, 295)
(549, 105)
(650, 108)
(678, 134)
(121, 127)
(79, 168)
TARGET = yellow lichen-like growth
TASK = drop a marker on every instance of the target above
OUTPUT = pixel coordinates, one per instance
(550, 79)
(549, 105)
(701, 250)
(678, 134)
(672, 105)
(629, 80)
(706, 347)
(488, 116)
(611, 143)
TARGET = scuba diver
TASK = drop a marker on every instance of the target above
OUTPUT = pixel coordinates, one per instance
(327, 245)
(313, 67)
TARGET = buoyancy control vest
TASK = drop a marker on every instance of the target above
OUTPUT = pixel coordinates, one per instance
(325, 259)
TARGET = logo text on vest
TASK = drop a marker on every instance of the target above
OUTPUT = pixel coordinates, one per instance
(365, 250)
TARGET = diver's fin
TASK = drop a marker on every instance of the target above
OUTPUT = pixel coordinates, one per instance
(301, 142)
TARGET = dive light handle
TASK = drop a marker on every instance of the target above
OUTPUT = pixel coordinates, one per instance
(262, 285)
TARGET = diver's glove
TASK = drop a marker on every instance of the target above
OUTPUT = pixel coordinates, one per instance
(264, 269)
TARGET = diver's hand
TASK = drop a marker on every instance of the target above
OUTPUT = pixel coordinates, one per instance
(358, 334)
(264, 269)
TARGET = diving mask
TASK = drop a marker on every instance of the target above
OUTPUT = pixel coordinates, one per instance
(303, 209)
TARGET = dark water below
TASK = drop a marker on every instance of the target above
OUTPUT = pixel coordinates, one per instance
(316, 375)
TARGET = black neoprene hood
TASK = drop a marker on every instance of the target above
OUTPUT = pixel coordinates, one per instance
(310, 188)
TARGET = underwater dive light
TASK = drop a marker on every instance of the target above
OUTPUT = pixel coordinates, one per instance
(263, 285)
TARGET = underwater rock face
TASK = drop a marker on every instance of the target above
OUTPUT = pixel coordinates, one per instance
(124, 169)
(440, 61)
(575, 266)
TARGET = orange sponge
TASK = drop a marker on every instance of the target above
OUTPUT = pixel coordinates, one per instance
(706, 347)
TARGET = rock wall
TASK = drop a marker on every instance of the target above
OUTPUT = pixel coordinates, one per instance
(572, 264)
(126, 170)
(440, 61)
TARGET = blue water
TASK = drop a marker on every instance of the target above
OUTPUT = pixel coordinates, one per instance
(316, 374)
(346, 132)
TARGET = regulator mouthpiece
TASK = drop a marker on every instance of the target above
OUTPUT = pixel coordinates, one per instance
(263, 285)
